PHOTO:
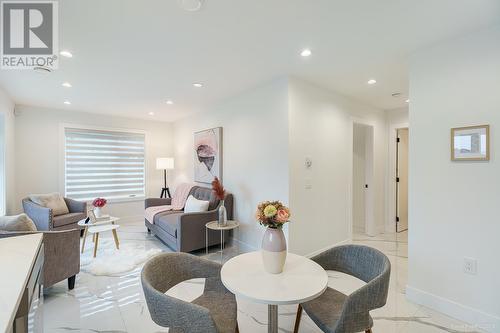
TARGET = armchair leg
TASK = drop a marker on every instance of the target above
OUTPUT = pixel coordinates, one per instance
(71, 282)
(297, 319)
(368, 330)
(237, 330)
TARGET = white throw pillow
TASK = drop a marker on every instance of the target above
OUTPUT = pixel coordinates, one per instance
(19, 222)
(194, 205)
(53, 201)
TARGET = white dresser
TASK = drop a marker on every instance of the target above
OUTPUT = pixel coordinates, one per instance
(21, 262)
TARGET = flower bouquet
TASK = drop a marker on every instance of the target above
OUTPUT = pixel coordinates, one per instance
(220, 193)
(273, 215)
(98, 203)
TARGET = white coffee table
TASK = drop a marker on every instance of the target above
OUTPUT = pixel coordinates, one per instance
(302, 280)
(81, 223)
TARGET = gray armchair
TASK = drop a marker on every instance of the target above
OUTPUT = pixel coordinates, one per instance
(213, 312)
(335, 312)
(61, 255)
(185, 232)
(45, 220)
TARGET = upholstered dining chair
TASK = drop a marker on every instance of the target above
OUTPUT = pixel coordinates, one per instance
(213, 312)
(335, 312)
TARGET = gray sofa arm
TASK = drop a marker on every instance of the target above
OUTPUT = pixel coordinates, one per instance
(192, 229)
(42, 216)
(76, 206)
(151, 202)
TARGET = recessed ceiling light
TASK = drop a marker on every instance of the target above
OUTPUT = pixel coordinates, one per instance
(408, 101)
(66, 53)
(305, 53)
(197, 85)
(169, 102)
(67, 85)
(67, 102)
(372, 81)
(151, 113)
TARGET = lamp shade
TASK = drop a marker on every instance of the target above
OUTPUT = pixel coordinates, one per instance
(164, 163)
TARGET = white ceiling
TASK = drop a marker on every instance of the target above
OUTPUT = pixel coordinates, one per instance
(131, 56)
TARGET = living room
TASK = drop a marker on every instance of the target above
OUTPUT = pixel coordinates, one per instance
(251, 126)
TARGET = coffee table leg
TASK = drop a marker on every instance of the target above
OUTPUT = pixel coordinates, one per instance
(84, 238)
(272, 320)
(96, 239)
(115, 236)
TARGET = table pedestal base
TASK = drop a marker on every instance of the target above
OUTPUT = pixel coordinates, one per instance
(272, 319)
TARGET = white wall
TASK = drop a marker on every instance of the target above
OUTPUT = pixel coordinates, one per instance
(7, 159)
(39, 160)
(321, 127)
(255, 151)
(453, 206)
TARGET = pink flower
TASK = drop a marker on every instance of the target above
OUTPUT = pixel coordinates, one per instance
(99, 202)
(282, 216)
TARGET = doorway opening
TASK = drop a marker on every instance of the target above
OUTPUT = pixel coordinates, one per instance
(362, 180)
(402, 180)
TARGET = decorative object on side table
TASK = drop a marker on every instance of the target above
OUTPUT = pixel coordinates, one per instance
(273, 215)
(220, 194)
(165, 163)
(98, 203)
(470, 143)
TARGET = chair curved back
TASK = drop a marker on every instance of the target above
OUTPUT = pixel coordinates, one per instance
(365, 263)
(164, 271)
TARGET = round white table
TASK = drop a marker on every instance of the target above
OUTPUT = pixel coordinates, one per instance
(302, 280)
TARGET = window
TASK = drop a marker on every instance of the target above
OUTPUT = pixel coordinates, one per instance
(107, 164)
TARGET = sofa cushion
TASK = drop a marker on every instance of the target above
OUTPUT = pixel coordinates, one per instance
(194, 205)
(71, 218)
(53, 201)
(205, 194)
(169, 223)
(19, 222)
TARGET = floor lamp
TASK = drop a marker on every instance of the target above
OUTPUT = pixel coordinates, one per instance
(165, 163)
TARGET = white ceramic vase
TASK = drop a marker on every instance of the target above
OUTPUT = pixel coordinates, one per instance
(97, 212)
(274, 250)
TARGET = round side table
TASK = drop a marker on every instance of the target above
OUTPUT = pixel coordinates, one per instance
(213, 225)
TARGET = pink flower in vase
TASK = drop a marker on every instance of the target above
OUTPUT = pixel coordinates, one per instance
(99, 202)
(282, 216)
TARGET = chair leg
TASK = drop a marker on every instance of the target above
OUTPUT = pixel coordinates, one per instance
(368, 330)
(297, 319)
(237, 330)
(71, 282)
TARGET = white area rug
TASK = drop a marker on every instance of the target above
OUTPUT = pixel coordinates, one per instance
(112, 262)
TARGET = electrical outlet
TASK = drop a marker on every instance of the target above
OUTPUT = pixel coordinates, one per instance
(470, 266)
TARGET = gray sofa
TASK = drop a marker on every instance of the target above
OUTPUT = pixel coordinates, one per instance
(61, 255)
(185, 232)
(45, 220)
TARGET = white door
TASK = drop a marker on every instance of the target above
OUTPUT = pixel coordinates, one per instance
(402, 181)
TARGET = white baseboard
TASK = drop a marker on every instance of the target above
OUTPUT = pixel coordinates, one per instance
(477, 319)
(312, 254)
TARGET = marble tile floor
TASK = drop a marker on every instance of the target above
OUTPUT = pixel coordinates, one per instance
(104, 304)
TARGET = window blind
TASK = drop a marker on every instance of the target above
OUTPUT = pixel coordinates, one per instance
(108, 164)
